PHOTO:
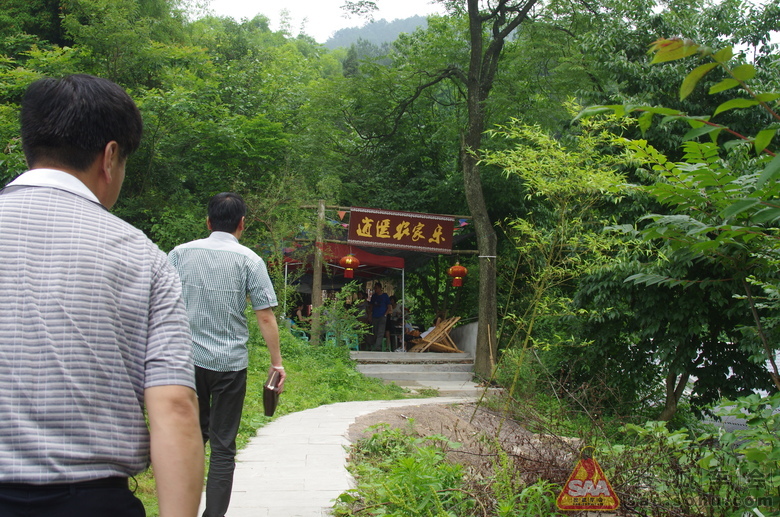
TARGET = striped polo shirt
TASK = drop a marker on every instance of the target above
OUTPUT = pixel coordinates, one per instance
(91, 316)
(216, 274)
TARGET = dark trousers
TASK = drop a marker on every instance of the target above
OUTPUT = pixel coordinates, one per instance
(221, 399)
(379, 332)
(100, 498)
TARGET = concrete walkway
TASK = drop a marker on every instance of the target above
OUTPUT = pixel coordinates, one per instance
(295, 466)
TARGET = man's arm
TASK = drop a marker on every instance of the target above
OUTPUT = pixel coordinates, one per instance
(176, 449)
(266, 320)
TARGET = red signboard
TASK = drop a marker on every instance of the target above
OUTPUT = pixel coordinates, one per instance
(402, 230)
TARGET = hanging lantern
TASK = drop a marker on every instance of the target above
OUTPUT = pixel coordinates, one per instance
(457, 272)
(349, 263)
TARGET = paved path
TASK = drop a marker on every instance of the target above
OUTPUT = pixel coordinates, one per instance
(295, 466)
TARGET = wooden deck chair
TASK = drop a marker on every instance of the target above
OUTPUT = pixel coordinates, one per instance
(438, 339)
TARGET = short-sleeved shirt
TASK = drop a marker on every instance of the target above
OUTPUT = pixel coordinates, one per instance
(92, 316)
(379, 303)
(217, 274)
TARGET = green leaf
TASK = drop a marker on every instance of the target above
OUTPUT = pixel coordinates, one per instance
(735, 104)
(766, 215)
(645, 121)
(692, 79)
(661, 111)
(767, 97)
(697, 132)
(714, 134)
(755, 455)
(744, 72)
(669, 118)
(724, 55)
(739, 207)
(647, 279)
(763, 139)
(770, 171)
(593, 111)
(707, 460)
(724, 85)
(732, 144)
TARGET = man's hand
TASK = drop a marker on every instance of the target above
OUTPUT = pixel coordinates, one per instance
(283, 376)
(269, 328)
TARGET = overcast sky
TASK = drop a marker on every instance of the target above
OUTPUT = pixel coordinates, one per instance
(321, 18)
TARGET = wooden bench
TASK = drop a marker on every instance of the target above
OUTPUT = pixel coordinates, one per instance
(438, 339)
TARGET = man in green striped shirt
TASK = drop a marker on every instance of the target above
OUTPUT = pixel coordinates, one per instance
(217, 274)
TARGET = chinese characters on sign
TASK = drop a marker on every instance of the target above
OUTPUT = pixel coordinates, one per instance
(403, 230)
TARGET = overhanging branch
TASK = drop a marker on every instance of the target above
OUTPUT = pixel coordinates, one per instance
(404, 105)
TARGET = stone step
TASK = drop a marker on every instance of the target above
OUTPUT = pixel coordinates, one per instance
(421, 376)
(449, 374)
(419, 367)
(409, 357)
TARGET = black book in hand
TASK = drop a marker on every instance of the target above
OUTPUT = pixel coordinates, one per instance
(271, 392)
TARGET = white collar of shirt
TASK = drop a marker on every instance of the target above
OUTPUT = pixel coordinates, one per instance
(223, 236)
(54, 179)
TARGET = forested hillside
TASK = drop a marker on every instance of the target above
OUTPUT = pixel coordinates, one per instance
(473, 114)
(376, 32)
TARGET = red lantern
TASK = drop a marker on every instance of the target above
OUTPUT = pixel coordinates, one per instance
(457, 272)
(349, 263)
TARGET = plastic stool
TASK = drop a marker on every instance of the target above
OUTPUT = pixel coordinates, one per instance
(351, 341)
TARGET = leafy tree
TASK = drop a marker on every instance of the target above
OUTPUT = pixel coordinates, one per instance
(205, 127)
(687, 340)
(613, 45)
(37, 17)
(560, 240)
(125, 40)
(361, 51)
(723, 204)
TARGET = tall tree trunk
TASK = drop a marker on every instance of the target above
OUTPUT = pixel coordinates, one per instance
(486, 235)
(486, 243)
(316, 283)
(674, 392)
(483, 64)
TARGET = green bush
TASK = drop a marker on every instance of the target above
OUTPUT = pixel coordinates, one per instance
(403, 476)
(711, 473)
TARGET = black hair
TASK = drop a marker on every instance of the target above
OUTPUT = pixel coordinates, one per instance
(69, 121)
(225, 212)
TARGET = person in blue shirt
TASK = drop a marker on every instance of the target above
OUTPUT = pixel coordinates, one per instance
(380, 308)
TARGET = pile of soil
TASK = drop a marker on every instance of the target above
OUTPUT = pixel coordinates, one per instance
(480, 431)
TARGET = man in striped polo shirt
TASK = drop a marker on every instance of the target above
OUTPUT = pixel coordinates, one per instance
(217, 274)
(93, 328)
